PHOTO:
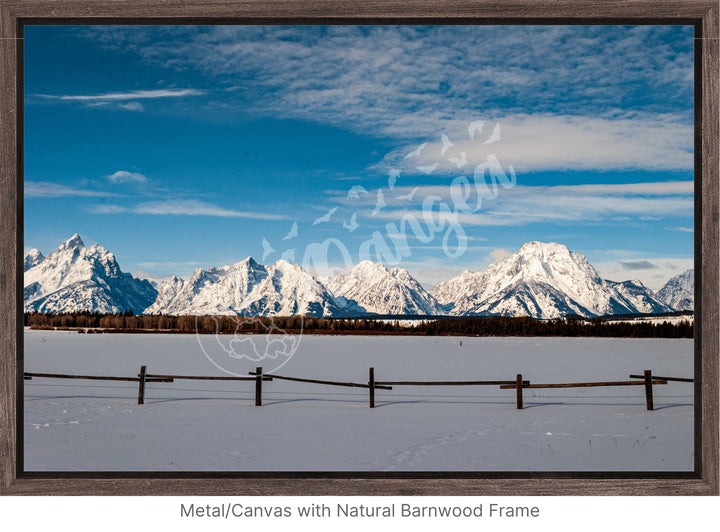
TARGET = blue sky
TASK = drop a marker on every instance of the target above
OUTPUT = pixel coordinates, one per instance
(438, 149)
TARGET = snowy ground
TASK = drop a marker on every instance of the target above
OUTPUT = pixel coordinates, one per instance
(213, 425)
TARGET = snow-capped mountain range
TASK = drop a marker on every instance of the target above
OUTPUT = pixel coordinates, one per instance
(542, 280)
(246, 288)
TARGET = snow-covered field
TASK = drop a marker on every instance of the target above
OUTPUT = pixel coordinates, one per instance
(212, 425)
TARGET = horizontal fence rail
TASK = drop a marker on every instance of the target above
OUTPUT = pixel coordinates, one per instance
(583, 384)
(29, 376)
(449, 383)
(328, 383)
(647, 382)
(673, 379)
(518, 384)
(207, 378)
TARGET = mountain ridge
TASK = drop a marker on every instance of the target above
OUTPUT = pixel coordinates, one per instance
(541, 280)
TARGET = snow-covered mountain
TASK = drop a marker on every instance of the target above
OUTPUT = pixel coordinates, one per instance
(33, 258)
(543, 280)
(209, 290)
(287, 290)
(679, 292)
(167, 290)
(74, 277)
(370, 288)
(246, 288)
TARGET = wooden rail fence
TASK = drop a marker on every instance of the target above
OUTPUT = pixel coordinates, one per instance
(648, 380)
(371, 385)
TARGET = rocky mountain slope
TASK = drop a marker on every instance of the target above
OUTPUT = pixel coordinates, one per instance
(679, 292)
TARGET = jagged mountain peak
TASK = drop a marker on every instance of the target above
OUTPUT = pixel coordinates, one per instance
(367, 267)
(543, 280)
(679, 291)
(73, 242)
(74, 277)
(32, 259)
(282, 264)
(34, 253)
(288, 289)
(247, 288)
(536, 247)
(250, 261)
(373, 288)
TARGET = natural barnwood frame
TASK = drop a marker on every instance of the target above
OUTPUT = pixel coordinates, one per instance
(702, 14)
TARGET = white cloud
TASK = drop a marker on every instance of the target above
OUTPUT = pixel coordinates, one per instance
(132, 106)
(116, 100)
(122, 176)
(130, 95)
(634, 265)
(44, 189)
(564, 142)
(658, 272)
(558, 104)
(565, 203)
(107, 209)
(176, 207)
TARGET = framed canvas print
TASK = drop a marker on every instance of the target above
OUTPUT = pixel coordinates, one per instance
(399, 248)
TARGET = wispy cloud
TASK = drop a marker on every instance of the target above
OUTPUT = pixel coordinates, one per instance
(123, 176)
(407, 81)
(127, 101)
(44, 189)
(638, 265)
(175, 207)
(108, 209)
(562, 142)
(122, 96)
(661, 270)
(564, 203)
(132, 106)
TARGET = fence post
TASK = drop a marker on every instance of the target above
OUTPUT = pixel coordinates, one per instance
(648, 389)
(518, 390)
(141, 386)
(258, 386)
(371, 387)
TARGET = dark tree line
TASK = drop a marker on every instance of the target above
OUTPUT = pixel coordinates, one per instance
(464, 326)
(526, 326)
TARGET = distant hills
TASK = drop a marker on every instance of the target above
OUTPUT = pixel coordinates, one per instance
(541, 280)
